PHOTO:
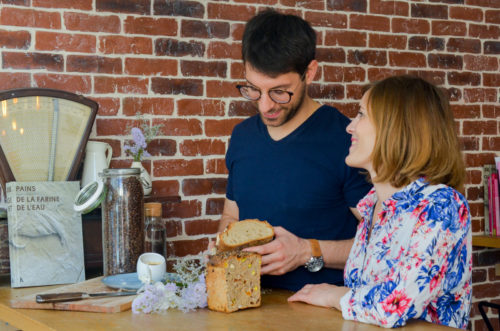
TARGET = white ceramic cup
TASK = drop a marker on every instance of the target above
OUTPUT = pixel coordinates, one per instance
(151, 267)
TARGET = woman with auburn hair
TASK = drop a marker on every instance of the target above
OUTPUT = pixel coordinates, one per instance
(411, 257)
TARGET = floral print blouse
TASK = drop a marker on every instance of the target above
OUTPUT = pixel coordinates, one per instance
(417, 262)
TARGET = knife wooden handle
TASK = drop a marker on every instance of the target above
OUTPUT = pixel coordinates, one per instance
(60, 297)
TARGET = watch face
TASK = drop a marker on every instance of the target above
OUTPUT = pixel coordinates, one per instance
(315, 264)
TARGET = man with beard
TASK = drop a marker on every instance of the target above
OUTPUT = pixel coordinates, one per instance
(286, 164)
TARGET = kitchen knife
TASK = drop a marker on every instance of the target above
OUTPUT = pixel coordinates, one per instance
(73, 296)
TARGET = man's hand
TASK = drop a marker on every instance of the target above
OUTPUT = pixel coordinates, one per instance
(211, 246)
(285, 253)
(324, 295)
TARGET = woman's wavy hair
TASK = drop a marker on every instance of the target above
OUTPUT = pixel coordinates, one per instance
(416, 133)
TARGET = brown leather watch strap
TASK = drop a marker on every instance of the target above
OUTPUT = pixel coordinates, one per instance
(316, 249)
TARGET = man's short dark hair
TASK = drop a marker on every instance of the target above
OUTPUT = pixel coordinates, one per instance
(276, 43)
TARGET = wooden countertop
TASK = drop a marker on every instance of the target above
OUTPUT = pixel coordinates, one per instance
(274, 314)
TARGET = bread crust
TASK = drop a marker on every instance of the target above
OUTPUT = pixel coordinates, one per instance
(216, 291)
(233, 281)
(223, 246)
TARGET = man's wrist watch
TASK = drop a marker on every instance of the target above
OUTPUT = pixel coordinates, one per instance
(316, 262)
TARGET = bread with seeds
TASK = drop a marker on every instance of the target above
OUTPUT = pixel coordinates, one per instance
(233, 281)
(245, 233)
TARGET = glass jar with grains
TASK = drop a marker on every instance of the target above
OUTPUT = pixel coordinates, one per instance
(122, 220)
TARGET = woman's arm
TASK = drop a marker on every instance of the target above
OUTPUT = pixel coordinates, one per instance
(324, 295)
(435, 264)
(438, 258)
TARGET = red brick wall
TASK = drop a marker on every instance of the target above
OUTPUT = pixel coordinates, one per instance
(178, 62)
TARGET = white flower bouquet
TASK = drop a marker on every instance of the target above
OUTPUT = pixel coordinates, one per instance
(186, 294)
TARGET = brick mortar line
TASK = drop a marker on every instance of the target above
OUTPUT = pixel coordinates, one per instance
(208, 41)
(231, 80)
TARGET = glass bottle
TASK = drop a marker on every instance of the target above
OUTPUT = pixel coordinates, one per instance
(155, 231)
(122, 220)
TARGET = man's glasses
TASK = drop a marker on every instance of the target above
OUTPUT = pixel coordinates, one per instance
(253, 94)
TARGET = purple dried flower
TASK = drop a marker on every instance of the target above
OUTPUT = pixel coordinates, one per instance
(171, 287)
(146, 301)
(141, 136)
(138, 149)
(194, 296)
(138, 137)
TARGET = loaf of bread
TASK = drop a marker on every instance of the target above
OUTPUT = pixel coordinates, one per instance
(245, 233)
(232, 275)
(233, 281)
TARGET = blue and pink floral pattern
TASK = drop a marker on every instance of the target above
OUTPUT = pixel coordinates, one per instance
(415, 263)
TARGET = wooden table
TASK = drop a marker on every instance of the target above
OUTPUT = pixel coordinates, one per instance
(274, 314)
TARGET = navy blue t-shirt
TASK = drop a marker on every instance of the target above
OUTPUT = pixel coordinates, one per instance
(300, 182)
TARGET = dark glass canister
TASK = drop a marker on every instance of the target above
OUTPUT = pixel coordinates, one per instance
(122, 220)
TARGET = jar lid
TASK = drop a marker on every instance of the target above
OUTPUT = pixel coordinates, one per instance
(92, 194)
(121, 172)
(152, 209)
(90, 197)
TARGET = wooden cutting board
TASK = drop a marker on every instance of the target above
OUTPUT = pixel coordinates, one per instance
(98, 305)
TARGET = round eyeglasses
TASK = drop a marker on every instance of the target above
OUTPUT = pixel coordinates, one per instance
(253, 94)
(279, 96)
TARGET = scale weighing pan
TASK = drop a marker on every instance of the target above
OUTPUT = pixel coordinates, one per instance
(43, 133)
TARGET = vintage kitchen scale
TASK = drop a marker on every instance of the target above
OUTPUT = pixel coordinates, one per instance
(43, 133)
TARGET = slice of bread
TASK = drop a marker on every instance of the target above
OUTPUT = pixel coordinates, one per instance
(245, 233)
(233, 281)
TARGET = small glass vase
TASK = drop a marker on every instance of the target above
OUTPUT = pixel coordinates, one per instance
(147, 184)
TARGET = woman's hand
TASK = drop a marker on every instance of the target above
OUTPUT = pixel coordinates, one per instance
(324, 295)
